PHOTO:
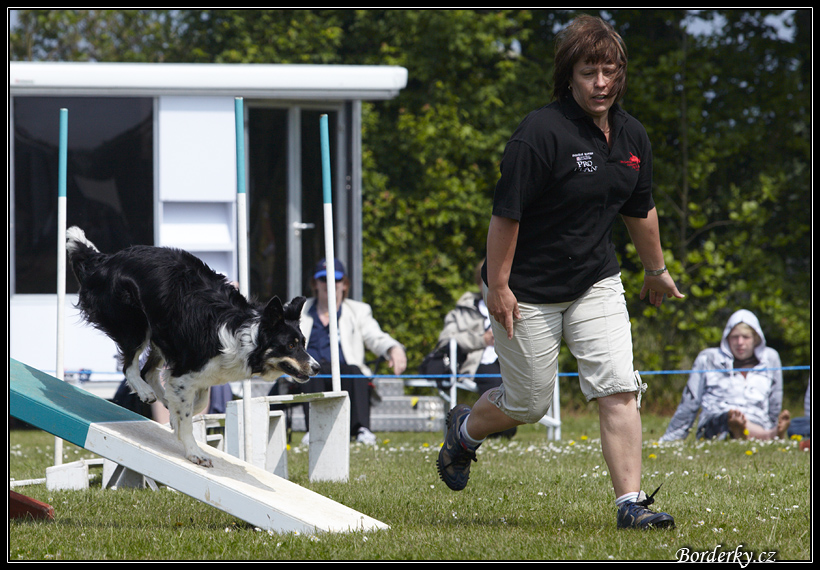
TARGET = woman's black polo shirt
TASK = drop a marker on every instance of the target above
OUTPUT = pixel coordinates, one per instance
(566, 187)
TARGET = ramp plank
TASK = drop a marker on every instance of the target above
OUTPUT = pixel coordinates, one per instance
(231, 485)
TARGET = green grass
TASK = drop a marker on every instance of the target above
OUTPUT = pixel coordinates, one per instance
(528, 499)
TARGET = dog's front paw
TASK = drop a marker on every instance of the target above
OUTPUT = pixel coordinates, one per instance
(143, 391)
(202, 460)
(146, 393)
(148, 399)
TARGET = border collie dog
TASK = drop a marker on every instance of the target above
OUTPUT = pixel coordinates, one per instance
(197, 329)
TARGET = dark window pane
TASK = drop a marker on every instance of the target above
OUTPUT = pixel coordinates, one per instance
(268, 197)
(109, 182)
(269, 232)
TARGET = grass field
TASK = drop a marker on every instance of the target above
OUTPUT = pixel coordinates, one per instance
(528, 499)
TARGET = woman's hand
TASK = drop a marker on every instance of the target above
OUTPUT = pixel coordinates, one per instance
(658, 287)
(503, 307)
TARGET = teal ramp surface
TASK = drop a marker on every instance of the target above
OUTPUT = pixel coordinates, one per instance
(57, 407)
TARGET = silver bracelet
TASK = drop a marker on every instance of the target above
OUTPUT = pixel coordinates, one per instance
(655, 272)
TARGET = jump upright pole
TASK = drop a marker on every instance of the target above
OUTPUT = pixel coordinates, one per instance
(242, 251)
(330, 256)
(62, 167)
(241, 197)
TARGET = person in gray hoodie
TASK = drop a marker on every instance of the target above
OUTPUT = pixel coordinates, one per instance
(737, 387)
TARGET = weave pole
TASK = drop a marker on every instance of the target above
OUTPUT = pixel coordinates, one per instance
(330, 256)
(62, 167)
(242, 247)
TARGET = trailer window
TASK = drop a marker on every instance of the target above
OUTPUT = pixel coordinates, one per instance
(109, 182)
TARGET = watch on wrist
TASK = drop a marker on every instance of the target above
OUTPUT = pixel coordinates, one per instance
(655, 272)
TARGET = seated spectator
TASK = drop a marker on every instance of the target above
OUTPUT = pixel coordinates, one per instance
(358, 330)
(737, 387)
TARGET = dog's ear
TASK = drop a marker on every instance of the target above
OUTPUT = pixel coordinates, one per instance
(293, 310)
(274, 311)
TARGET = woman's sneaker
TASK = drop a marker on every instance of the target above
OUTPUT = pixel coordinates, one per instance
(454, 458)
(635, 514)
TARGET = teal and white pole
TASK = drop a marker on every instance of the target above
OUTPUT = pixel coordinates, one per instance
(241, 199)
(242, 255)
(330, 255)
(62, 167)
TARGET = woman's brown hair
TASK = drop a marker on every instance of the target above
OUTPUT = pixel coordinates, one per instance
(594, 41)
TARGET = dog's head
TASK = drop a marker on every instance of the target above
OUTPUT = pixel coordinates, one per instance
(280, 344)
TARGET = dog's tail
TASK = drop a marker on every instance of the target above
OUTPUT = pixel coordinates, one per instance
(80, 251)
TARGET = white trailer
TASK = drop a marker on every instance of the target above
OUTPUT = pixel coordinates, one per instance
(152, 160)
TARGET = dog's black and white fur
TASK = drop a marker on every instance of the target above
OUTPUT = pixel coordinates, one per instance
(193, 322)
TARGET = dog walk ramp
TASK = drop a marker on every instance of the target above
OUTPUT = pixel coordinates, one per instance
(249, 493)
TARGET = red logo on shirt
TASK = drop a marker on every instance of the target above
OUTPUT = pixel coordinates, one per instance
(634, 162)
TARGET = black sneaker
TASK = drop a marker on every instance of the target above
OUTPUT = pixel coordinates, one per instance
(454, 458)
(635, 514)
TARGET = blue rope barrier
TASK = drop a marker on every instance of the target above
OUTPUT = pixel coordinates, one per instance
(560, 374)
(85, 375)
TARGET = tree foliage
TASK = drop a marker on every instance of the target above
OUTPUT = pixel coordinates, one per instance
(728, 113)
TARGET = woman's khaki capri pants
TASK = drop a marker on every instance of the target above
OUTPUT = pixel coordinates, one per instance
(596, 329)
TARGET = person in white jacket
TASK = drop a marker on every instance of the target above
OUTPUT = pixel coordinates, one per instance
(737, 387)
(358, 330)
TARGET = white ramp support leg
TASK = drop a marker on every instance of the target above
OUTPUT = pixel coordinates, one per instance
(329, 449)
(137, 443)
(118, 477)
(329, 452)
(205, 422)
(268, 430)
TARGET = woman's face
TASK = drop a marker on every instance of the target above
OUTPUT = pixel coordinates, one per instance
(592, 86)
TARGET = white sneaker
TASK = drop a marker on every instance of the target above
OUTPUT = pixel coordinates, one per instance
(366, 436)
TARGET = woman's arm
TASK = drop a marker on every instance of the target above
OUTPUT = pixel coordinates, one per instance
(502, 239)
(646, 237)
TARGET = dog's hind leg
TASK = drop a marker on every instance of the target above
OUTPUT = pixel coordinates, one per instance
(181, 401)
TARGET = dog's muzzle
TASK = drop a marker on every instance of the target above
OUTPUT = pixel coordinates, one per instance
(300, 371)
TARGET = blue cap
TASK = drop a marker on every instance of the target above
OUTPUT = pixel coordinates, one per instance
(321, 270)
